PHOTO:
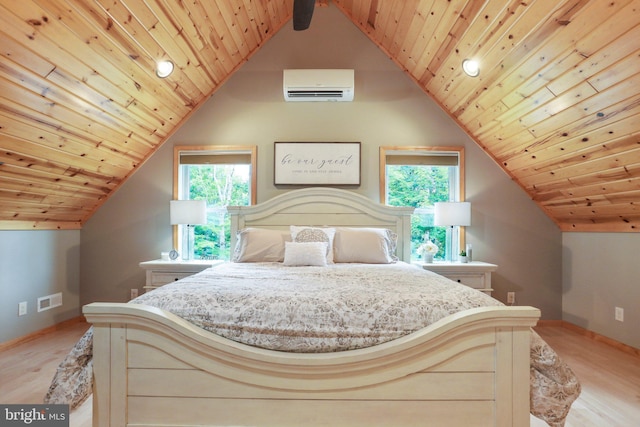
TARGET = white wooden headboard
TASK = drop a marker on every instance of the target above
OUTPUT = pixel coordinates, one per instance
(324, 207)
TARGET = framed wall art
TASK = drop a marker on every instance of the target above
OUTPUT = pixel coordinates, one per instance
(317, 163)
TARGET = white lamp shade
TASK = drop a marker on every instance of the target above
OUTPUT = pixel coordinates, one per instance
(452, 213)
(188, 211)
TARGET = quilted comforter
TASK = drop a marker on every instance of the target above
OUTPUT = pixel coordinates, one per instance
(322, 309)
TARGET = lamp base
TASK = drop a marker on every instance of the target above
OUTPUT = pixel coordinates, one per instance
(187, 255)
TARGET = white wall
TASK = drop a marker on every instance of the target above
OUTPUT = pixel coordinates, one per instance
(34, 264)
(389, 109)
(601, 271)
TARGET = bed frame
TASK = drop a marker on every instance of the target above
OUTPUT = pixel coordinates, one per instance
(152, 368)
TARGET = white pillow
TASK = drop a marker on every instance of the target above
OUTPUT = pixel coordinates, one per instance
(305, 253)
(315, 234)
(365, 245)
(260, 245)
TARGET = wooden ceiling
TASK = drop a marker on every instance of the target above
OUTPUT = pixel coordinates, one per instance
(557, 103)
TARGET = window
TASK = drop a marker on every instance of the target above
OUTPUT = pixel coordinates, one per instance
(221, 175)
(420, 177)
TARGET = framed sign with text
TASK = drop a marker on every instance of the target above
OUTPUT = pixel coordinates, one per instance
(317, 163)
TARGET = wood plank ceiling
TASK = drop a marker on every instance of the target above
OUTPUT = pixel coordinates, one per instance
(557, 102)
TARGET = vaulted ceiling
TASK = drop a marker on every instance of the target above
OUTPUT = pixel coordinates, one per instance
(557, 102)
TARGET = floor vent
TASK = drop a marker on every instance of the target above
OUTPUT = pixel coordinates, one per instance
(49, 302)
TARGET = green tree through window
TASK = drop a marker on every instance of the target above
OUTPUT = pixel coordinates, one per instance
(222, 176)
(420, 177)
(220, 186)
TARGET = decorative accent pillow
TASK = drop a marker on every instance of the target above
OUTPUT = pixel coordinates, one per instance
(315, 234)
(305, 253)
(365, 245)
(260, 245)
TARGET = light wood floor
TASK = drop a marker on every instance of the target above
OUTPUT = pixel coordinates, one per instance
(610, 378)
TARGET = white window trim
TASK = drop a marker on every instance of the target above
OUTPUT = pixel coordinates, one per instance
(221, 149)
(425, 150)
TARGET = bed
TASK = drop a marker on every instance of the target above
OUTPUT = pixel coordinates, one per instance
(468, 365)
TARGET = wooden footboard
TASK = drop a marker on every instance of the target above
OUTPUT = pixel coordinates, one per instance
(152, 368)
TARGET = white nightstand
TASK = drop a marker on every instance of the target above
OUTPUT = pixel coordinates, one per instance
(160, 272)
(474, 274)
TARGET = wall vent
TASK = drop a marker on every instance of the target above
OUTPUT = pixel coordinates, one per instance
(49, 302)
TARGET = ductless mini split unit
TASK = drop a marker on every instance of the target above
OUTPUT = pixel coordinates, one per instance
(318, 85)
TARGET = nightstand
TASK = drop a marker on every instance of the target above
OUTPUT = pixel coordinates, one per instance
(160, 272)
(474, 274)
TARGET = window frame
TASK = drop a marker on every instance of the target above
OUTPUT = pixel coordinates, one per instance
(252, 150)
(407, 151)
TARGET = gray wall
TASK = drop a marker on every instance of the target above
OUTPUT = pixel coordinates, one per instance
(389, 109)
(35, 264)
(132, 226)
(601, 271)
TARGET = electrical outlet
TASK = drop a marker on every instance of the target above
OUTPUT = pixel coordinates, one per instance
(511, 297)
(619, 314)
(134, 293)
(22, 308)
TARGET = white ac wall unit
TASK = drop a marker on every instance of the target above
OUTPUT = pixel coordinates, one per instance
(318, 85)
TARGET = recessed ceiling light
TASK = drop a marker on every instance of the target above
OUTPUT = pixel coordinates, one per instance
(471, 67)
(164, 69)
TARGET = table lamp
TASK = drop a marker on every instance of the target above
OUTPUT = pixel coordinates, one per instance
(452, 214)
(189, 213)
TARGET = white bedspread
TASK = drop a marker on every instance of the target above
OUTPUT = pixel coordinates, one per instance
(322, 309)
(312, 309)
